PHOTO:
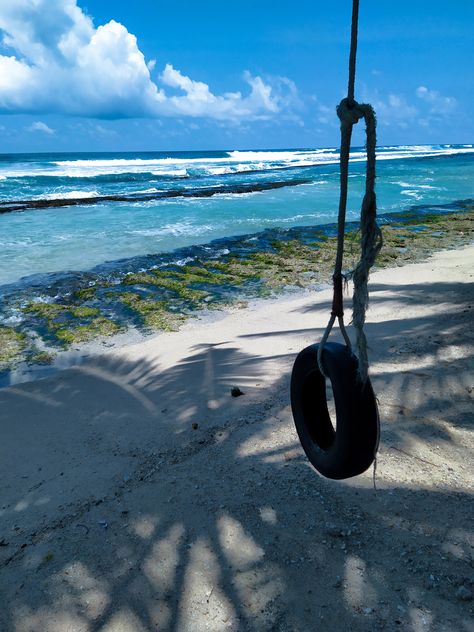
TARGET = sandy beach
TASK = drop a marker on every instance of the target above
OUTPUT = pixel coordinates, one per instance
(138, 495)
(181, 185)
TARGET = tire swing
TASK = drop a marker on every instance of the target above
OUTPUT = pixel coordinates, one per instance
(351, 448)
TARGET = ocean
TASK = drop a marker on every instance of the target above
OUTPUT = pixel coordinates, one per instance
(76, 212)
(94, 245)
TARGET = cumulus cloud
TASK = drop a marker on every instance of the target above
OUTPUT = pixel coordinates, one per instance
(60, 62)
(198, 100)
(39, 126)
(392, 110)
(439, 104)
(431, 110)
(326, 116)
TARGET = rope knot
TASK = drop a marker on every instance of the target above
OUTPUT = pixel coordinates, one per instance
(349, 112)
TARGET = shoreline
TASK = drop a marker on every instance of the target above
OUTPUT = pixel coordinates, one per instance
(139, 460)
(136, 305)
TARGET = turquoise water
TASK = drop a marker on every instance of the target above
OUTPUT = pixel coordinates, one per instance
(55, 239)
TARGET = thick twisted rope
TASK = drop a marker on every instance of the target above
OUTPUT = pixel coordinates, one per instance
(349, 113)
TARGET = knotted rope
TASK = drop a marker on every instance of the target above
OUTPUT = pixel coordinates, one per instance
(349, 113)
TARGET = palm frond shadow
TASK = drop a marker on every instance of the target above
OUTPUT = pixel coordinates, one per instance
(227, 526)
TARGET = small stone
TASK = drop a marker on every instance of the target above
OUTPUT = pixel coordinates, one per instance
(235, 391)
(464, 594)
(194, 426)
(334, 531)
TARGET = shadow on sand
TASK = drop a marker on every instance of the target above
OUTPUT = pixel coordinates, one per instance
(119, 516)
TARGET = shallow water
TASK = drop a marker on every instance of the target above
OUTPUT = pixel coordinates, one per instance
(79, 237)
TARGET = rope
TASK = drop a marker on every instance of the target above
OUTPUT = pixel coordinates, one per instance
(353, 52)
(349, 113)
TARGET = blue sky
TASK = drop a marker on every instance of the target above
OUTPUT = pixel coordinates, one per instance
(113, 76)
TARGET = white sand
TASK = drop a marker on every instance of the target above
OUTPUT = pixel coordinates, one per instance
(117, 515)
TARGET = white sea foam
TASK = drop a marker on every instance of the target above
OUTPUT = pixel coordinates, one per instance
(185, 261)
(150, 190)
(170, 172)
(235, 161)
(88, 171)
(229, 195)
(272, 156)
(414, 185)
(115, 162)
(218, 171)
(176, 230)
(411, 193)
(15, 243)
(416, 148)
(68, 195)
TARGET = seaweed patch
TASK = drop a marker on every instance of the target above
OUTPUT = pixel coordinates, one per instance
(12, 345)
(156, 294)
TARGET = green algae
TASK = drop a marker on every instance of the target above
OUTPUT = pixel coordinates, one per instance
(403, 244)
(48, 311)
(85, 293)
(40, 357)
(194, 274)
(85, 312)
(290, 263)
(69, 324)
(90, 292)
(12, 346)
(158, 299)
(154, 313)
(97, 327)
(163, 280)
(412, 219)
(216, 273)
(140, 278)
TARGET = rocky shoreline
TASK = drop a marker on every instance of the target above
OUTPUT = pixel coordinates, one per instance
(152, 296)
(10, 206)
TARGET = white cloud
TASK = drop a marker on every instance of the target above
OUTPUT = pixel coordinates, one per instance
(324, 114)
(39, 126)
(61, 63)
(440, 104)
(393, 110)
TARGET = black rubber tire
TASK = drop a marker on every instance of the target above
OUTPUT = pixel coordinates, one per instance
(350, 449)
